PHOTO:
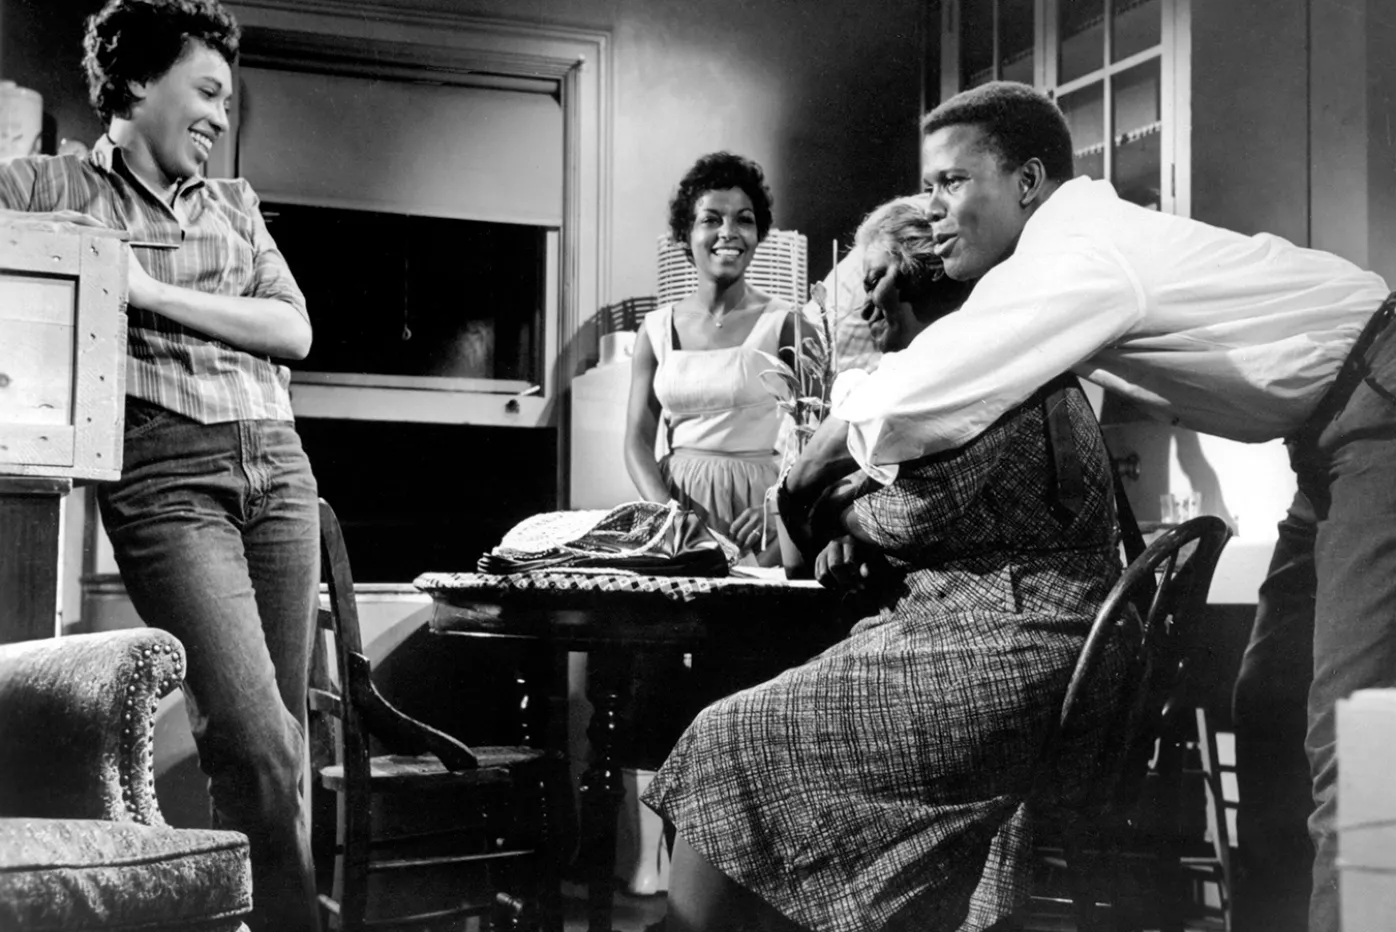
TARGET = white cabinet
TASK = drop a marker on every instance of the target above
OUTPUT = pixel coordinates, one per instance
(1117, 68)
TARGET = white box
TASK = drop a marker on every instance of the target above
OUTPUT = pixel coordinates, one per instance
(1367, 810)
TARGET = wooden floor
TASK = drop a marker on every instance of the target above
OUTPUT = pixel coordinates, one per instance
(635, 913)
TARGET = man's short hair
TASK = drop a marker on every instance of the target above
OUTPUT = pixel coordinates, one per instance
(1019, 122)
(137, 41)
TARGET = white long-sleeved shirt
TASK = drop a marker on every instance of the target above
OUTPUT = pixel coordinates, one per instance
(1203, 327)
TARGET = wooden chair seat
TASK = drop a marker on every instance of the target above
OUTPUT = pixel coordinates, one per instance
(411, 772)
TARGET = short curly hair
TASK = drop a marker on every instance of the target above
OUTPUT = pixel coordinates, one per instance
(1020, 122)
(719, 171)
(903, 228)
(139, 40)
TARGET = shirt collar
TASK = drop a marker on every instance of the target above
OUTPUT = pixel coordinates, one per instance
(109, 158)
(1079, 193)
(1069, 206)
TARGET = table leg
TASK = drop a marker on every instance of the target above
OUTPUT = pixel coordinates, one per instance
(533, 684)
(602, 789)
(534, 681)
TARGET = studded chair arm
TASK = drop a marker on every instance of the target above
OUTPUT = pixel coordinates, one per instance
(77, 719)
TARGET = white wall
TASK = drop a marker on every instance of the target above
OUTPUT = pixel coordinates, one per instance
(824, 95)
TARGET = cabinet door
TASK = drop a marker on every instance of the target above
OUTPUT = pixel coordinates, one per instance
(1118, 69)
(1113, 65)
(989, 40)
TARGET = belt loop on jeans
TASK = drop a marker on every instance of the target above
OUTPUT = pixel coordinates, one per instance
(1351, 372)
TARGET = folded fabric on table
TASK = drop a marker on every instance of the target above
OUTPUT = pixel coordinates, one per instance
(641, 537)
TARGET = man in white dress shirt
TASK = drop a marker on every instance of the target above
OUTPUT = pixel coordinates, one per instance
(1250, 338)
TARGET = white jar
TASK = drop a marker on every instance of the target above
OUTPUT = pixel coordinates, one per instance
(21, 120)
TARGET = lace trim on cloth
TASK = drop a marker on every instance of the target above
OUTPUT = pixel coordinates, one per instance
(676, 588)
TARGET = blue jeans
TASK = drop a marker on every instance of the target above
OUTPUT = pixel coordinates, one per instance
(1325, 627)
(215, 528)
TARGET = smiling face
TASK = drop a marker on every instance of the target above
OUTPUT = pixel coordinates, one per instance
(891, 321)
(723, 237)
(978, 207)
(178, 116)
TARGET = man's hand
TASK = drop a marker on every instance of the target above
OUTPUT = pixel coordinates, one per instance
(823, 462)
(846, 563)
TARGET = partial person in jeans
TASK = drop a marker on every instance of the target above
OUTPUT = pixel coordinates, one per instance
(214, 521)
(1250, 338)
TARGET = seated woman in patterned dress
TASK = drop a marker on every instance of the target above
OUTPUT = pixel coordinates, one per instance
(881, 785)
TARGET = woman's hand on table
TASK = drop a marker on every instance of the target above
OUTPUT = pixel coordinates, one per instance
(747, 529)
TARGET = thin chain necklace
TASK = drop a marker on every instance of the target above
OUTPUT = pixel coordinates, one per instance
(718, 321)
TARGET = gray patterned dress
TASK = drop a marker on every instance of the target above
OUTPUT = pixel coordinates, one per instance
(881, 784)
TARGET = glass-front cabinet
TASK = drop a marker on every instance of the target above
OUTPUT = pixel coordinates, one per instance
(1117, 68)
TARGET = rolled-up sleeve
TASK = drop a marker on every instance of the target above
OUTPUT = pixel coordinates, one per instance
(271, 276)
(16, 184)
(1027, 321)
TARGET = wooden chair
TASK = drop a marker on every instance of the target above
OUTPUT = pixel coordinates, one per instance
(1125, 857)
(486, 808)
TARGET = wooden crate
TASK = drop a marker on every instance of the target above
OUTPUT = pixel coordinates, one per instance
(62, 349)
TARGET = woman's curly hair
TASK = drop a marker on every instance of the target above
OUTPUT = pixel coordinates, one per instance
(903, 229)
(719, 171)
(137, 41)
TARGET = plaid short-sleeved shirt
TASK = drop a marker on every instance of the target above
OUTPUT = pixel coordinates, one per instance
(223, 248)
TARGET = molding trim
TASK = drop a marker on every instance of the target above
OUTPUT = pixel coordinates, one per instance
(373, 38)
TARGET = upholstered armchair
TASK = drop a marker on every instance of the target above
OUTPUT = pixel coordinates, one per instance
(82, 842)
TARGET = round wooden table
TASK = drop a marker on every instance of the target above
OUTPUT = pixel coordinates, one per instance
(611, 617)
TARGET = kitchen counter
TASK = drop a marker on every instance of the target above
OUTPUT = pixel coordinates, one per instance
(1240, 571)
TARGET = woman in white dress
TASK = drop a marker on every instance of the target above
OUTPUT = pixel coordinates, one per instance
(698, 363)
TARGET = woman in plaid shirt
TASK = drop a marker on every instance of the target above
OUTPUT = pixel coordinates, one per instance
(214, 520)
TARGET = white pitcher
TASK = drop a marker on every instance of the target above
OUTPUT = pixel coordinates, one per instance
(21, 120)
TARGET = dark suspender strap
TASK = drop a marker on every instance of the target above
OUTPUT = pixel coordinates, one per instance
(1070, 477)
(1129, 528)
(1352, 372)
(1066, 465)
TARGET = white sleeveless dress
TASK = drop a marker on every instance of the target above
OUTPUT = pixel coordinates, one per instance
(721, 422)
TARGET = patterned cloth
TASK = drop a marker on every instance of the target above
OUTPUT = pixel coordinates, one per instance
(90, 874)
(882, 784)
(223, 248)
(676, 588)
(639, 536)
